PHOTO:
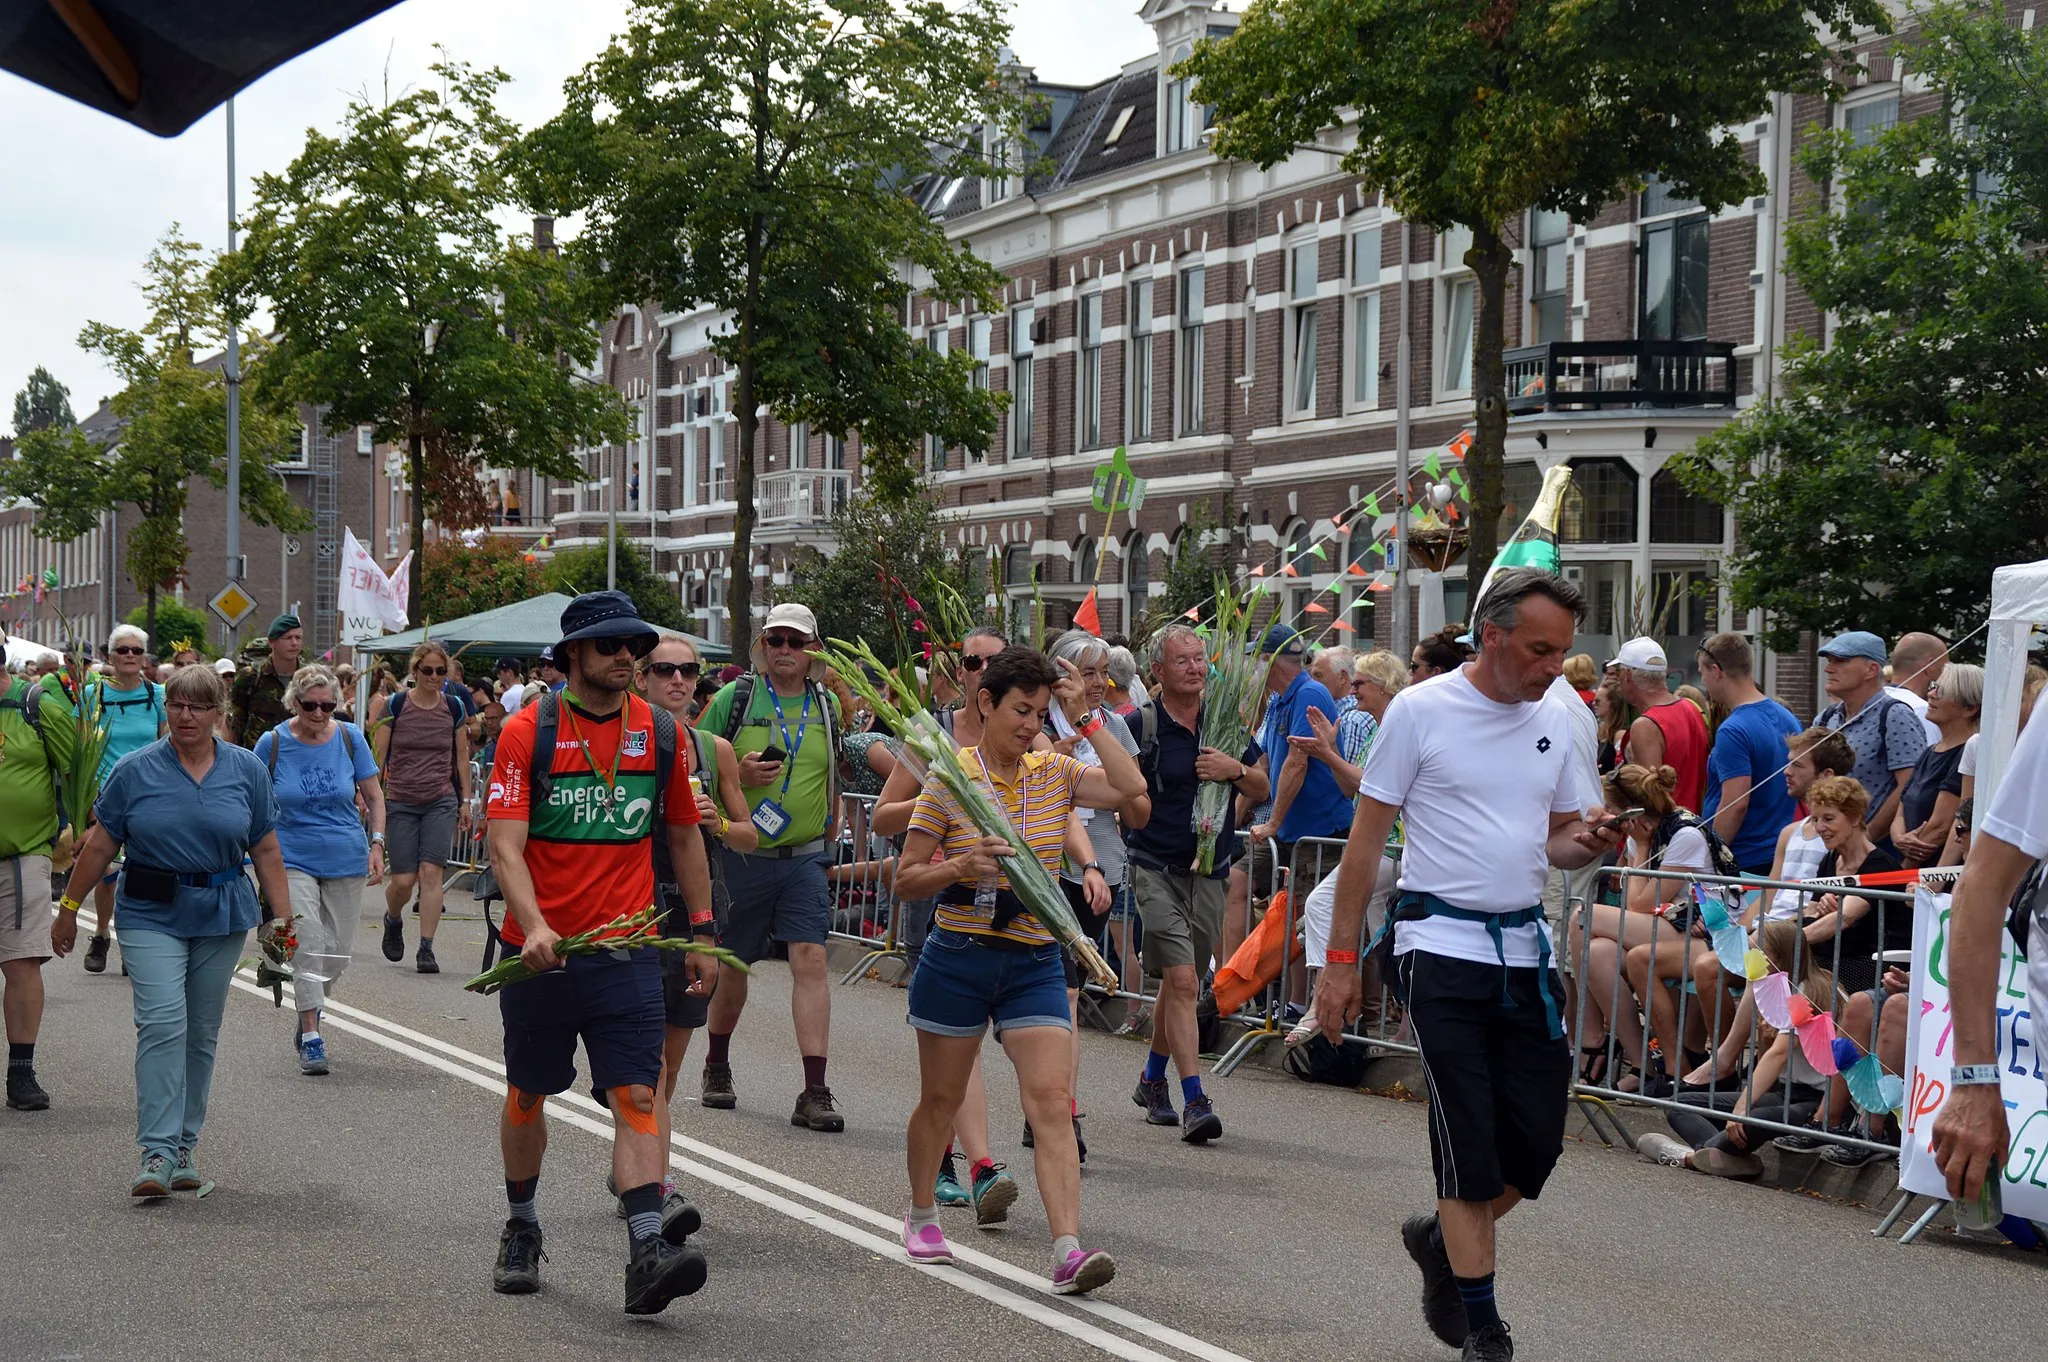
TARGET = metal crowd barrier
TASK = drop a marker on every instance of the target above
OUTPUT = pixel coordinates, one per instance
(1788, 952)
(864, 903)
(470, 854)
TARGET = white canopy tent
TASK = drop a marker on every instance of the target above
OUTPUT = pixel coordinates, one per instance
(2019, 605)
(23, 652)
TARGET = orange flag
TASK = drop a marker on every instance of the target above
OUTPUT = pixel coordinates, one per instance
(1313, 609)
(1259, 571)
(1087, 617)
(1289, 570)
(1357, 571)
(1340, 624)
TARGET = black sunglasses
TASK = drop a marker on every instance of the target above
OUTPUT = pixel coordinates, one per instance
(126, 650)
(425, 670)
(612, 647)
(668, 669)
(324, 706)
(972, 663)
(793, 641)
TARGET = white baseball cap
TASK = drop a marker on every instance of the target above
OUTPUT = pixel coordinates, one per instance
(1641, 655)
(225, 666)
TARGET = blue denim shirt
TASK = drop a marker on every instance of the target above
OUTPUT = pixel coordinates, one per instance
(164, 819)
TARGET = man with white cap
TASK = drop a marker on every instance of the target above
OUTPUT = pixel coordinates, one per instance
(784, 728)
(1670, 731)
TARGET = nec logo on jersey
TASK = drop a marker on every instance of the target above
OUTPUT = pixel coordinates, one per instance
(635, 743)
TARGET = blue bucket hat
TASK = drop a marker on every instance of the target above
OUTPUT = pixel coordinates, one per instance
(605, 614)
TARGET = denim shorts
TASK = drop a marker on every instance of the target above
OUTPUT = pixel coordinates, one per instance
(962, 983)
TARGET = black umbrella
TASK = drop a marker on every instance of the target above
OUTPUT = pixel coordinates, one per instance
(161, 64)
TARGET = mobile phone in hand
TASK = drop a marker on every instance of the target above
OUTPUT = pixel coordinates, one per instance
(773, 756)
(1624, 816)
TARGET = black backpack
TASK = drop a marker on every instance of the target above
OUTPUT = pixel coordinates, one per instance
(1680, 915)
(547, 718)
(736, 718)
(1316, 1060)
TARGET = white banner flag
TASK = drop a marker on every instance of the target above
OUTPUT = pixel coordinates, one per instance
(370, 601)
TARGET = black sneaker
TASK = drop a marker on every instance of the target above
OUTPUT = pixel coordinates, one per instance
(1489, 1343)
(519, 1259)
(718, 1094)
(1854, 1155)
(658, 1273)
(814, 1110)
(425, 962)
(679, 1219)
(394, 939)
(96, 955)
(1806, 1142)
(24, 1093)
(1151, 1095)
(1200, 1124)
(1442, 1310)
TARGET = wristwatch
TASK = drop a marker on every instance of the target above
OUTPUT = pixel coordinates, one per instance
(1973, 1076)
(376, 839)
(1094, 867)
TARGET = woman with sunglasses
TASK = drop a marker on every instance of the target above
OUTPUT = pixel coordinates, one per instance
(318, 767)
(134, 710)
(184, 814)
(423, 749)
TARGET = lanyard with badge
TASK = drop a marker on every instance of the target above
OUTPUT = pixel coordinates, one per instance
(607, 784)
(770, 817)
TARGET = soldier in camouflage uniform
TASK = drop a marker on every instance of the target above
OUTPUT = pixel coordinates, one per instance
(256, 700)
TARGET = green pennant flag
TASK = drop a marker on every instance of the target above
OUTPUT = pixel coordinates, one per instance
(1316, 550)
(1115, 484)
(1372, 505)
(1434, 464)
(1458, 479)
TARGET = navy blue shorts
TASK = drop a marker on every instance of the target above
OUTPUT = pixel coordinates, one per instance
(962, 983)
(783, 899)
(611, 1000)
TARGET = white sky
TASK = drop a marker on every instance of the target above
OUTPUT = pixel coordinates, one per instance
(87, 195)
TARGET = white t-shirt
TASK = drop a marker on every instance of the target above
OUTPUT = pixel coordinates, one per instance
(1687, 850)
(1477, 782)
(1966, 765)
(2018, 816)
(1585, 742)
(1920, 708)
(513, 697)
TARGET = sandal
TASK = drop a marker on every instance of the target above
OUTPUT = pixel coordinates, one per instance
(1593, 1064)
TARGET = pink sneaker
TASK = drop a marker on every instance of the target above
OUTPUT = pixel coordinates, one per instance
(1084, 1271)
(927, 1244)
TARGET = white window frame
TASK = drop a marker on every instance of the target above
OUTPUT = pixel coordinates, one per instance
(716, 488)
(800, 444)
(1179, 115)
(1190, 347)
(1251, 335)
(1455, 280)
(980, 337)
(1023, 383)
(1300, 337)
(1140, 351)
(939, 341)
(1088, 371)
(366, 439)
(690, 427)
(1362, 318)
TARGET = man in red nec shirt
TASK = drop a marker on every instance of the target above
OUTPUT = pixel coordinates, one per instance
(1671, 731)
(578, 861)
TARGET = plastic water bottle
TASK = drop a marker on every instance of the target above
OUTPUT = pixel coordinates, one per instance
(1986, 1210)
(985, 896)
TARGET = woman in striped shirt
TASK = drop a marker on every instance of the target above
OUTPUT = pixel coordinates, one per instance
(988, 959)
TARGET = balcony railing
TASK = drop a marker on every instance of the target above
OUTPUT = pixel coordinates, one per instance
(1582, 375)
(801, 496)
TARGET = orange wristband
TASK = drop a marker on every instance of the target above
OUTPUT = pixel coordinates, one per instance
(1340, 957)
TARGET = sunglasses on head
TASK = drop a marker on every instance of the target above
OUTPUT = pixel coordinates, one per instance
(126, 650)
(665, 670)
(786, 641)
(324, 706)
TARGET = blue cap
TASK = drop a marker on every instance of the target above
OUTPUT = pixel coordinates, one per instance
(1281, 638)
(1856, 643)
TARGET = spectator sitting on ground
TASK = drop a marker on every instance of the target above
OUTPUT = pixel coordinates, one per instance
(1917, 662)
(1927, 806)
(1886, 735)
(1669, 732)
(1584, 676)
(1815, 754)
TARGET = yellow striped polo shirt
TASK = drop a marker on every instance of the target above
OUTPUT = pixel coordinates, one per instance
(1037, 807)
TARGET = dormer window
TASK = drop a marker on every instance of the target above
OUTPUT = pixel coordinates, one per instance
(1116, 129)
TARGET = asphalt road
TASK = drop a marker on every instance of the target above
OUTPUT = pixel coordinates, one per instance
(357, 1216)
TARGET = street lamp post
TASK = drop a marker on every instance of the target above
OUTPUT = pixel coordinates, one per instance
(233, 374)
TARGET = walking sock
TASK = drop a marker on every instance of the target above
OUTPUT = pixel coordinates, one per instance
(1477, 1294)
(1074, 1107)
(814, 1071)
(974, 1173)
(1155, 1066)
(920, 1216)
(721, 1047)
(643, 1212)
(1064, 1247)
(1190, 1088)
(21, 1057)
(519, 1195)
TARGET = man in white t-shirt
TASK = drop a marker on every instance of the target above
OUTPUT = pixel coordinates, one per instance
(1479, 765)
(514, 692)
(1917, 663)
(1970, 1135)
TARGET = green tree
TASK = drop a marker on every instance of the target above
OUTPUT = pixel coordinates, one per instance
(1473, 112)
(176, 624)
(399, 305)
(889, 551)
(172, 411)
(751, 155)
(1192, 578)
(1903, 462)
(460, 580)
(43, 401)
(580, 570)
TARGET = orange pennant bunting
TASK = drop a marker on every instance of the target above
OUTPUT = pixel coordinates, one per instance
(1340, 624)
(1087, 616)
(1313, 609)
(1357, 571)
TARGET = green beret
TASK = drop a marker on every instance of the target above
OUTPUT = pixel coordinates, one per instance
(283, 624)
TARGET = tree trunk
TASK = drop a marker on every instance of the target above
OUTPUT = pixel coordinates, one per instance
(149, 618)
(1485, 489)
(416, 470)
(739, 591)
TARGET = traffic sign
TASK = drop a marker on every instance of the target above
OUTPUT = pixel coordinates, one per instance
(291, 546)
(231, 605)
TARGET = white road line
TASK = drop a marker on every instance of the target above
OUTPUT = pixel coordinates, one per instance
(585, 1114)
